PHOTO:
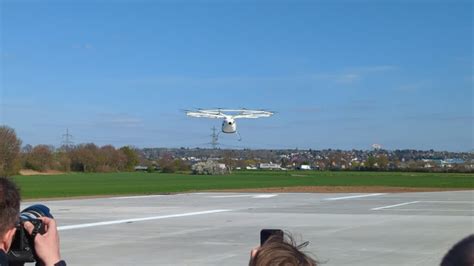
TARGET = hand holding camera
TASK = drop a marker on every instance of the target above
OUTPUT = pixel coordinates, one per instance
(36, 238)
(47, 243)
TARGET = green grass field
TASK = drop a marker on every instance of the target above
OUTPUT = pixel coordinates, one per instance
(80, 184)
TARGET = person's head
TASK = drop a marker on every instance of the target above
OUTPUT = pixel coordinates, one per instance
(9, 211)
(278, 252)
(461, 254)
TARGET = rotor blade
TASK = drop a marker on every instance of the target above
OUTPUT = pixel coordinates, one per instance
(254, 114)
(204, 114)
(235, 113)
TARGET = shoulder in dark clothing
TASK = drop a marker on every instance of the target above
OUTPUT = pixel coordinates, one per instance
(3, 258)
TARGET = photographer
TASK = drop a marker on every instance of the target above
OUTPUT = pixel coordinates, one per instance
(46, 245)
(280, 250)
(461, 254)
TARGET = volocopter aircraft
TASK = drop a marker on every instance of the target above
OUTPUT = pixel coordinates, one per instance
(229, 125)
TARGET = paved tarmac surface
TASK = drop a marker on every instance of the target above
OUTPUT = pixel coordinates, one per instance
(221, 228)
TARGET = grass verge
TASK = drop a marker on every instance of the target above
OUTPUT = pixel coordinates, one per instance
(94, 184)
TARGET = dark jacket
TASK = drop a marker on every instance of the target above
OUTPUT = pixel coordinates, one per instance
(3, 258)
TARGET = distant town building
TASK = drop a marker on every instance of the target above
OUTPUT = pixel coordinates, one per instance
(448, 163)
(141, 168)
(451, 162)
(270, 166)
(304, 167)
(328, 159)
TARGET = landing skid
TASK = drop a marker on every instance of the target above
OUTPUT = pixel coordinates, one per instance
(237, 132)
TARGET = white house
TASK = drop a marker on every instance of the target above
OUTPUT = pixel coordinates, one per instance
(270, 166)
(305, 167)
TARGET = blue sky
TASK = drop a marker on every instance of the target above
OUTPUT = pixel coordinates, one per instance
(339, 74)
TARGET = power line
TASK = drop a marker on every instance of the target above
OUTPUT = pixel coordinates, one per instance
(214, 138)
(67, 140)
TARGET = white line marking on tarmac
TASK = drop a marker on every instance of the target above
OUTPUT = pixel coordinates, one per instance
(438, 210)
(79, 226)
(265, 196)
(393, 206)
(261, 196)
(447, 201)
(357, 196)
(137, 197)
(230, 196)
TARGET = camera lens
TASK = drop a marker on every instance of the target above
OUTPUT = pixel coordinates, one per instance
(22, 248)
(36, 211)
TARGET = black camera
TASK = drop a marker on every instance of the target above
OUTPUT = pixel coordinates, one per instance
(22, 249)
(266, 234)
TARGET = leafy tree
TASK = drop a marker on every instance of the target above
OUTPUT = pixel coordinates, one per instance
(111, 159)
(228, 160)
(9, 151)
(62, 161)
(27, 148)
(285, 162)
(84, 158)
(167, 163)
(208, 168)
(382, 161)
(251, 162)
(371, 161)
(40, 158)
(181, 165)
(355, 165)
(131, 158)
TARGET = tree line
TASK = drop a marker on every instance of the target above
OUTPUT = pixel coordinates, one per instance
(92, 158)
(80, 158)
